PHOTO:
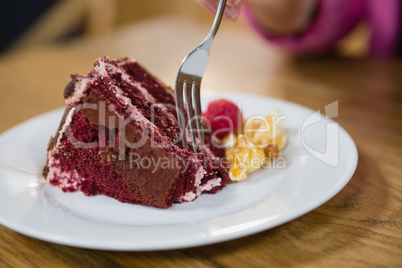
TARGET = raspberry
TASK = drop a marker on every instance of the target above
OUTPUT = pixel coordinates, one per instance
(224, 117)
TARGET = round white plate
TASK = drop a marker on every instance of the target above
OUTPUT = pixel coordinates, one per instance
(320, 159)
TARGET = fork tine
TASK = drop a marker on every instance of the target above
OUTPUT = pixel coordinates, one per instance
(180, 113)
(190, 112)
(198, 112)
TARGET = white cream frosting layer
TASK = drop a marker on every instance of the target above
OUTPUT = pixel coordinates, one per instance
(69, 179)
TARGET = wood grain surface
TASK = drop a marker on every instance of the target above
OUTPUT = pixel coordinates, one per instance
(360, 227)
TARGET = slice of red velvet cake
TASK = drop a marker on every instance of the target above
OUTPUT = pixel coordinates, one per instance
(119, 137)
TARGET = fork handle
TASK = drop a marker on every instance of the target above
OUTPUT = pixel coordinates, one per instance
(217, 21)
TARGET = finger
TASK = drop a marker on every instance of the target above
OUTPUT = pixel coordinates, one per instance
(233, 2)
(232, 8)
(232, 12)
(210, 5)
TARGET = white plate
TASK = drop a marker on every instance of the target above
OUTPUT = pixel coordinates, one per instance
(268, 198)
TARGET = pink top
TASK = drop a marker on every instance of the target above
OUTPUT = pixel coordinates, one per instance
(335, 19)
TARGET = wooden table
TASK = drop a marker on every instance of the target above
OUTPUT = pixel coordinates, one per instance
(361, 226)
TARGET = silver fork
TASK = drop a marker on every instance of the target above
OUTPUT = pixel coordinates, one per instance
(188, 83)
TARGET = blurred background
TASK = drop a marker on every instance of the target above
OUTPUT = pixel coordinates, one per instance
(24, 22)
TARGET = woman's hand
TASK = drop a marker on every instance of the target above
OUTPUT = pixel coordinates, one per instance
(282, 17)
